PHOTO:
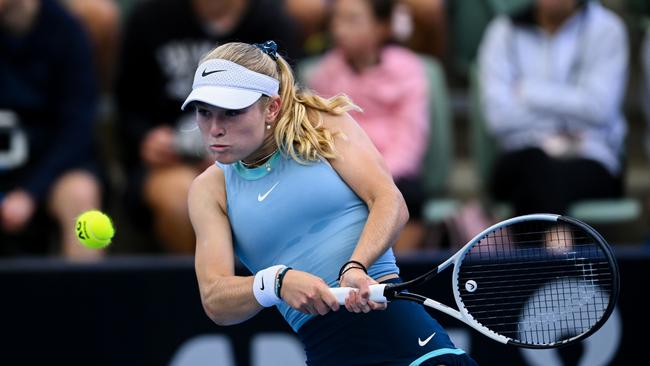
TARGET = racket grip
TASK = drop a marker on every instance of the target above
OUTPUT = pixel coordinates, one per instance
(376, 293)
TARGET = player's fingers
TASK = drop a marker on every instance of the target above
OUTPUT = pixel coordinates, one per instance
(307, 308)
(358, 303)
(349, 301)
(330, 300)
(321, 308)
(352, 303)
(310, 310)
(364, 305)
(348, 306)
(377, 305)
(364, 294)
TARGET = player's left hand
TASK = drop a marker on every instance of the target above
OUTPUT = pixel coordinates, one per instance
(358, 301)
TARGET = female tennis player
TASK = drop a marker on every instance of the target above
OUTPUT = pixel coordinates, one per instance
(301, 196)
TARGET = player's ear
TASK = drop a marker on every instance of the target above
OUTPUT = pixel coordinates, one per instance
(273, 109)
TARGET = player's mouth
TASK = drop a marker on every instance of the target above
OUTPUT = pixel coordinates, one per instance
(219, 147)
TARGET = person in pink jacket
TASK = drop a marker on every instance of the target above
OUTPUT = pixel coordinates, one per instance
(389, 83)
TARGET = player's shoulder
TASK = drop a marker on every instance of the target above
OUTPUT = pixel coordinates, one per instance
(339, 122)
(210, 181)
(346, 130)
(209, 186)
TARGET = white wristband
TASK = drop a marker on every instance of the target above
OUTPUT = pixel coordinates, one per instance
(264, 286)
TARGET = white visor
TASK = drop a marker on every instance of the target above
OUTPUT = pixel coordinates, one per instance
(228, 85)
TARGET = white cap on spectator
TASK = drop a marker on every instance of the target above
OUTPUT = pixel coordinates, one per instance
(228, 85)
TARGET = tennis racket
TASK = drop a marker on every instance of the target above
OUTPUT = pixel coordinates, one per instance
(534, 281)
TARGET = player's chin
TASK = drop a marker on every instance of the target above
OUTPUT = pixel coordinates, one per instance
(225, 158)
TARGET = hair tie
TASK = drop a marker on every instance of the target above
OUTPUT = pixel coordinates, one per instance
(270, 48)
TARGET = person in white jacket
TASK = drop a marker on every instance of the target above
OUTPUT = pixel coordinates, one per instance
(553, 78)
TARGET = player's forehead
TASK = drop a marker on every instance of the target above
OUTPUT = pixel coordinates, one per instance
(214, 108)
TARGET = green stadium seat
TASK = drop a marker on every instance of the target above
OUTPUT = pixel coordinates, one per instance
(467, 21)
(439, 155)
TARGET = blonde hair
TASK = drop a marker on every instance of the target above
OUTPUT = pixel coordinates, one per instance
(299, 130)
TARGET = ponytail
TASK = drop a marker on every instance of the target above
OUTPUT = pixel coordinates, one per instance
(299, 130)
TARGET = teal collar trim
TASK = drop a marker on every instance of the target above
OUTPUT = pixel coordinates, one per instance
(260, 171)
(436, 353)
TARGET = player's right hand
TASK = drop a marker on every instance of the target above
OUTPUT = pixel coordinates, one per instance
(359, 301)
(307, 293)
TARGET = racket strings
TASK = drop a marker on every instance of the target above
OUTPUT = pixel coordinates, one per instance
(537, 284)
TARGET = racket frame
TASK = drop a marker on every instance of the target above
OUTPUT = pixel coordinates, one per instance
(396, 291)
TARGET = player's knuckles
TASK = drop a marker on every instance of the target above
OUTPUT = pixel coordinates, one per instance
(312, 296)
(304, 302)
(301, 303)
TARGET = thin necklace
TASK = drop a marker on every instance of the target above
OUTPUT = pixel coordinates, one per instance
(259, 161)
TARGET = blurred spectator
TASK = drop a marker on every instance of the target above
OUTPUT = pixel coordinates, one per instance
(553, 79)
(389, 83)
(429, 34)
(101, 19)
(311, 17)
(420, 24)
(163, 43)
(48, 98)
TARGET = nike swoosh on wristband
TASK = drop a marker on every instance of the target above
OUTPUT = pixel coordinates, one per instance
(423, 343)
(206, 72)
(262, 288)
(262, 197)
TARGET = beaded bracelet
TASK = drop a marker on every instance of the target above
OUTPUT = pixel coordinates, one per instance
(278, 282)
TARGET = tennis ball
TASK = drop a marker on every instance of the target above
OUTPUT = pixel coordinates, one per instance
(94, 229)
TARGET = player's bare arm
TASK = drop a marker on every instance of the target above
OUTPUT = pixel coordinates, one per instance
(227, 299)
(361, 166)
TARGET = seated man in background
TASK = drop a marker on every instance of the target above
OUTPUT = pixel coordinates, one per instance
(48, 102)
(163, 41)
(552, 80)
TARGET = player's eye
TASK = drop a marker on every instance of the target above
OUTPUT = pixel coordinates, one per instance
(233, 112)
(205, 113)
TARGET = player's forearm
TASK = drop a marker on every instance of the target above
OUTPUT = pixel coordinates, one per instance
(229, 300)
(388, 215)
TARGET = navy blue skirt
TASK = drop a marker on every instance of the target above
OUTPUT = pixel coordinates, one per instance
(403, 334)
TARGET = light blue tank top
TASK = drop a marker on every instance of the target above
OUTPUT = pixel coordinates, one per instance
(302, 216)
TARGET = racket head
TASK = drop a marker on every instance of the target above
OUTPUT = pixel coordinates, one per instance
(540, 281)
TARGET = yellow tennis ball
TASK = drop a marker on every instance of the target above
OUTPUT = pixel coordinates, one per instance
(94, 229)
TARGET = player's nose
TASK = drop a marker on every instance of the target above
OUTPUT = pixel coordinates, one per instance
(217, 128)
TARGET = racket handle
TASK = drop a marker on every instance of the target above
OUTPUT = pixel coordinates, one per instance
(376, 293)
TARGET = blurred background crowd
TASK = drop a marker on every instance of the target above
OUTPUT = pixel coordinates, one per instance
(482, 109)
